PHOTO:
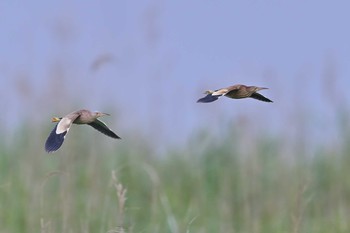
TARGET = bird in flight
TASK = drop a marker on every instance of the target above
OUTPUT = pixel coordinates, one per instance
(58, 134)
(238, 91)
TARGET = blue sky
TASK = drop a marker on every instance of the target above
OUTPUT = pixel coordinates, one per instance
(164, 54)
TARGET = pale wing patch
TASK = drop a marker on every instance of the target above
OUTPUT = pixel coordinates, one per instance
(63, 125)
(220, 92)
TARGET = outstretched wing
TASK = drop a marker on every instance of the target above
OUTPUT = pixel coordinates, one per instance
(208, 98)
(260, 97)
(102, 127)
(55, 140)
(58, 134)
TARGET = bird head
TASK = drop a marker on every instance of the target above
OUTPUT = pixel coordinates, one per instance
(99, 114)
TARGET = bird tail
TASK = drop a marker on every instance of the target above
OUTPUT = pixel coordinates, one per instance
(56, 119)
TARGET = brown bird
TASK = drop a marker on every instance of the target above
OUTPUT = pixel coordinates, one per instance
(58, 134)
(238, 91)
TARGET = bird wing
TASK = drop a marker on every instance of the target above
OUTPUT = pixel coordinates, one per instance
(54, 141)
(208, 98)
(237, 91)
(102, 127)
(213, 96)
(260, 97)
(220, 92)
(58, 134)
(235, 94)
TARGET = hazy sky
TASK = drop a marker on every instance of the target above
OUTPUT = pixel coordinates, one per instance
(157, 58)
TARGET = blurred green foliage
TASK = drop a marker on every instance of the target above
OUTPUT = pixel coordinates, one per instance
(217, 186)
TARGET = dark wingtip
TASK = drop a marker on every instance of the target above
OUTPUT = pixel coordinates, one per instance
(207, 99)
(113, 135)
(54, 141)
(267, 100)
(260, 97)
(101, 127)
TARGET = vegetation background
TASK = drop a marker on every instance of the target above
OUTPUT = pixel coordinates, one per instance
(181, 167)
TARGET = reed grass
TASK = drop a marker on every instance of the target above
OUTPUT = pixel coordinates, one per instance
(215, 188)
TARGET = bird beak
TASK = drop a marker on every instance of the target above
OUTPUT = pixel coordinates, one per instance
(55, 119)
(105, 114)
